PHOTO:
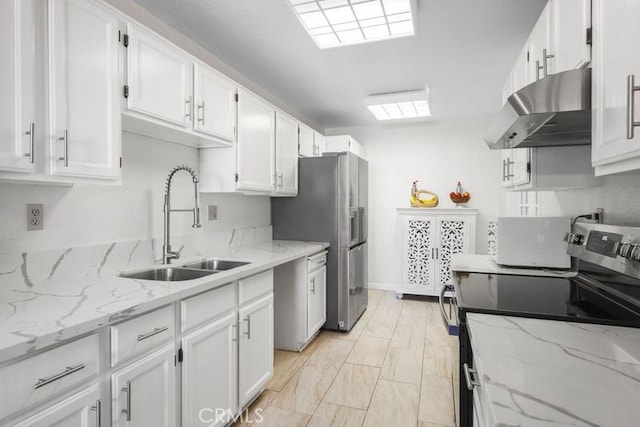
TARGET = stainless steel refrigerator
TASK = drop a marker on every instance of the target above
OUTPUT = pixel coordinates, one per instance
(331, 206)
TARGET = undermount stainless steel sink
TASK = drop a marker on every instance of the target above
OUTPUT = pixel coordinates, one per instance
(167, 274)
(216, 264)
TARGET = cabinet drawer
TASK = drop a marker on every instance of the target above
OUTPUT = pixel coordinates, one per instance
(143, 333)
(255, 286)
(48, 374)
(316, 261)
(207, 306)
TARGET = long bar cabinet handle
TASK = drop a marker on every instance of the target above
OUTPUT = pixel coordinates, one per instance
(65, 153)
(68, 371)
(631, 91)
(98, 410)
(127, 390)
(31, 132)
(155, 331)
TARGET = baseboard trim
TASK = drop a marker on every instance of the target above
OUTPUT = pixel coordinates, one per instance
(382, 286)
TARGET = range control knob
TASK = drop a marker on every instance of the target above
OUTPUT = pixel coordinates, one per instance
(628, 250)
(573, 238)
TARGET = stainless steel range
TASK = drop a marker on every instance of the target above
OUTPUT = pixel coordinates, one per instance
(605, 290)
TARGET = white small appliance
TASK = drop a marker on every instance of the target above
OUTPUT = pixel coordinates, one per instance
(532, 242)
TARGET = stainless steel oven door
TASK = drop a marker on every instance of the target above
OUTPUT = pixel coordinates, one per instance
(449, 315)
(450, 319)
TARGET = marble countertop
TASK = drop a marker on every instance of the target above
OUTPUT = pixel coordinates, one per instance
(544, 372)
(51, 297)
(475, 263)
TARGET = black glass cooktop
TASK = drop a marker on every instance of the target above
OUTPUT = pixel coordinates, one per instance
(578, 299)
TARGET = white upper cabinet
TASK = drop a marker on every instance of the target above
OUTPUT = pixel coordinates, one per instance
(286, 182)
(307, 142)
(539, 45)
(320, 142)
(159, 78)
(256, 143)
(215, 103)
(570, 24)
(17, 85)
(340, 143)
(84, 87)
(616, 64)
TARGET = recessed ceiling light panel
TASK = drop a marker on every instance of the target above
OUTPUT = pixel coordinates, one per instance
(399, 105)
(334, 23)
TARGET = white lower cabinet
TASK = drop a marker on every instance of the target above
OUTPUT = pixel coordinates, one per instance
(210, 373)
(144, 392)
(224, 362)
(316, 301)
(300, 301)
(83, 409)
(429, 238)
(228, 359)
(255, 352)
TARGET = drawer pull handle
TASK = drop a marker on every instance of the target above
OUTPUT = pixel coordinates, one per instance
(68, 371)
(471, 383)
(156, 331)
(127, 390)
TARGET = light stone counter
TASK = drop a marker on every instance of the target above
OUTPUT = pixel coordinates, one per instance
(549, 373)
(52, 296)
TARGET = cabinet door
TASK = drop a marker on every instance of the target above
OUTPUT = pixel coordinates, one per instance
(256, 143)
(84, 83)
(616, 55)
(17, 82)
(521, 166)
(570, 21)
(83, 409)
(453, 237)
(144, 393)
(255, 352)
(418, 238)
(316, 301)
(307, 142)
(215, 103)
(159, 77)
(521, 70)
(286, 154)
(210, 373)
(539, 40)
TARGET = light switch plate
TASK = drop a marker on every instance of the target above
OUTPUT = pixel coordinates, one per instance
(35, 217)
(212, 212)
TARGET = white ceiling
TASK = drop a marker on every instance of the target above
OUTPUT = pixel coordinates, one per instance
(463, 51)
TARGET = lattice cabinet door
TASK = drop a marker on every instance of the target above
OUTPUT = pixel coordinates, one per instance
(418, 253)
(455, 235)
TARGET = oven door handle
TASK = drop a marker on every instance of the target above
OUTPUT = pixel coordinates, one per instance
(452, 329)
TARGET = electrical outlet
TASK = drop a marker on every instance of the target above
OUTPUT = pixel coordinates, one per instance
(35, 217)
(212, 212)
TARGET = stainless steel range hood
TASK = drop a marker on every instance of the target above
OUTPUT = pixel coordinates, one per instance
(550, 112)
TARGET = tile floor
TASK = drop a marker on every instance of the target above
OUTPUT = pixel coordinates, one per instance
(392, 369)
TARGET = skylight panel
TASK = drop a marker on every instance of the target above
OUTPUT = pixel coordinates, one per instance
(399, 105)
(343, 22)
